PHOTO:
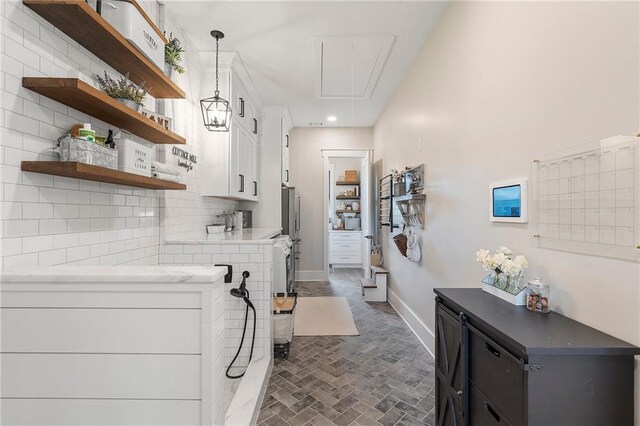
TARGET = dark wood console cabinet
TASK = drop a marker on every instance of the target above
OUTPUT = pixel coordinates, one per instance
(499, 364)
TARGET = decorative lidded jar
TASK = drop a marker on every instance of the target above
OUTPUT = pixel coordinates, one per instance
(538, 296)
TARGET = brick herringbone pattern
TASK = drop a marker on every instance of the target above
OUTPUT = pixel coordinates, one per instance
(382, 377)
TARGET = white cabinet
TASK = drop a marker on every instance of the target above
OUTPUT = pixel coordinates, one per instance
(120, 350)
(272, 165)
(345, 248)
(230, 159)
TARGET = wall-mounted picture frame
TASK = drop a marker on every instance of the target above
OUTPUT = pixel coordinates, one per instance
(163, 120)
(508, 201)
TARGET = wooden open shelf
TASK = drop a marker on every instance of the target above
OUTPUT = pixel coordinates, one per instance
(84, 171)
(348, 183)
(83, 24)
(344, 197)
(347, 211)
(86, 98)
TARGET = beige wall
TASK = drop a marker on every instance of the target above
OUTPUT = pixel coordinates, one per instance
(305, 164)
(496, 84)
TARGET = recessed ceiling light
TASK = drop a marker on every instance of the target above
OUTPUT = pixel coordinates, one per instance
(331, 118)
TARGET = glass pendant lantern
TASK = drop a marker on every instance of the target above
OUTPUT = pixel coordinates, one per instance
(216, 111)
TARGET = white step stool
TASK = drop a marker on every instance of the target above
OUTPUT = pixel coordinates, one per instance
(374, 289)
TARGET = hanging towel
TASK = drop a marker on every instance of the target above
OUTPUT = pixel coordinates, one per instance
(413, 247)
(164, 168)
(165, 176)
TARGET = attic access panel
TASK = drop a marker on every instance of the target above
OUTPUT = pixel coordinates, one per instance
(349, 67)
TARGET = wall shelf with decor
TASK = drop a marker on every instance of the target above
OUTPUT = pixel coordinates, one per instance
(84, 171)
(343, 197)
(86, 98)
(83, 24)
(344, 183)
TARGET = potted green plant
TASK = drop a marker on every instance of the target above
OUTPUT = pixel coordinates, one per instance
(123, 90)
(173, 56)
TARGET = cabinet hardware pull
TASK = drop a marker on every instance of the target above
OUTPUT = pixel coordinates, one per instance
(493, 350)
(287, 141)
(287, 180)
(241, 107)
(241, 183)
(491, 411)
(255, 126)
(460, 408)
(255, 188)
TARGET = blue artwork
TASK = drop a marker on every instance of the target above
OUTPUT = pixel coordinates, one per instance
(507, 201)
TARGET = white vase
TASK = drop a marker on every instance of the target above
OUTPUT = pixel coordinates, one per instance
(131, 104)
(355, 206)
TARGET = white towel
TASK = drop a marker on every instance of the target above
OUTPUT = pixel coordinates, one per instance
(413, 247)
(165, 176)
(164, 168)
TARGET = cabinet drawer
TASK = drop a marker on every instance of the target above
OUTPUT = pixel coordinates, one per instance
(497, 374)
(484, 412)
(345, 258)
(345, 236)
(348, 246)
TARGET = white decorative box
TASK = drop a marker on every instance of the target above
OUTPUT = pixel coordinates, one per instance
(519, 299)
(129, 22)
(133, 156)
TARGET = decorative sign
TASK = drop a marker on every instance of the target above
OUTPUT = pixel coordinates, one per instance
(160, 119)
(185, 159)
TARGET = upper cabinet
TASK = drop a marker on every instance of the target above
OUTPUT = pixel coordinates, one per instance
(231, 159)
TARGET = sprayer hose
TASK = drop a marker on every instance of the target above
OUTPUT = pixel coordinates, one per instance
(244, 331)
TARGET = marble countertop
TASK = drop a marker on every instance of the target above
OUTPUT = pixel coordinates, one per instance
(243, 236)
(115, 274)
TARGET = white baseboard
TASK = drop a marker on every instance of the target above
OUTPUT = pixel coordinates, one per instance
(419, 328)
(310, 276)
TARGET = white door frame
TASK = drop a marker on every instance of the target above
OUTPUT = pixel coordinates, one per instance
(366, 201)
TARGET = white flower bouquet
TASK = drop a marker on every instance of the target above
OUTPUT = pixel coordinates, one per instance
(506, 269)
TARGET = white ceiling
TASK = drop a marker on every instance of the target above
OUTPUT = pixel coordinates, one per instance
(303, 54)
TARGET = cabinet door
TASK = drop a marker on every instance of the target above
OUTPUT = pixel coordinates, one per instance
(255, 172)
(451, 368)
(235, 155)
(285, 168)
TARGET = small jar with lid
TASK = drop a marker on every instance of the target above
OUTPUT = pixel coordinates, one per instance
(538, 296)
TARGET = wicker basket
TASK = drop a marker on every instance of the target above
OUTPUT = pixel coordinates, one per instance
(401, 243)
(351, 176)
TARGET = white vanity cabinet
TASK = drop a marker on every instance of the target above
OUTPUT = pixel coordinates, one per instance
(230, 159)
(345, 248)
(113, 345)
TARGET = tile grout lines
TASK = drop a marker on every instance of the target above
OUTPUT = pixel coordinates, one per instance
(382, 377)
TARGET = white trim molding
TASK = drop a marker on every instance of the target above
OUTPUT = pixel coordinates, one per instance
(419, 328)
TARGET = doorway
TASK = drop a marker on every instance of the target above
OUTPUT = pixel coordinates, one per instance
(348, 212)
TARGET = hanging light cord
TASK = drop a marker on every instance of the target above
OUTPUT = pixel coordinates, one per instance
(217, 91)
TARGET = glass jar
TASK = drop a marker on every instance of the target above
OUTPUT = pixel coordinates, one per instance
(538, 296)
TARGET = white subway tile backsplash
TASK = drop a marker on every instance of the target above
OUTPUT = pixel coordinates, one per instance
(53, 195)
(50, 220)
(79, 197)
(10, 246)
(65, 241)
(35, 244)
(37, 211)
(21, 123)
(20, 53)
(20, 260)
(20, 228)
(52, 226)
(65, 211)
(52, 257)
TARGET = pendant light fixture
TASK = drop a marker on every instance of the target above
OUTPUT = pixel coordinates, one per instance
(216, 111)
